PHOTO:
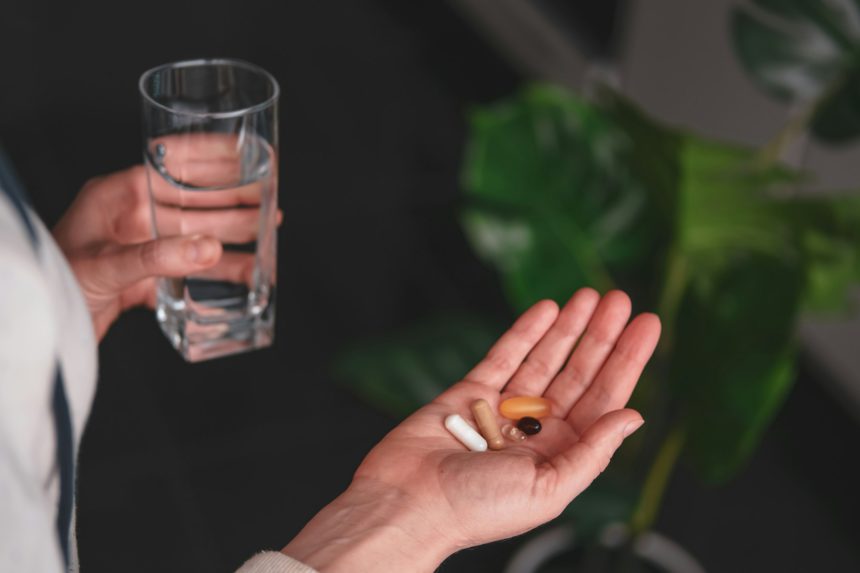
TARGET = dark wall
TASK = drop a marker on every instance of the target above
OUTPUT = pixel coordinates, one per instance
(363, 83)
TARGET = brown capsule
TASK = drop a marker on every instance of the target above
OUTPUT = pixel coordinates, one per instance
(529, 425)
(486, 420)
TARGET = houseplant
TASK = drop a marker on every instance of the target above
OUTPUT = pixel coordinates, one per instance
(563, 191)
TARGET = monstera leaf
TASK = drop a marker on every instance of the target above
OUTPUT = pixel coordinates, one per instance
(738, 247)
(401, 373)
(808, 52)
(551, 202)
(829, 227)
(733, 359)
(717, 197)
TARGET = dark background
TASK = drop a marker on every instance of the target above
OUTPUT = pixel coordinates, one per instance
(195, 467)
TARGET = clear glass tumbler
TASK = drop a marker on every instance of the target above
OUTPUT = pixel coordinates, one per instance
(210, 146)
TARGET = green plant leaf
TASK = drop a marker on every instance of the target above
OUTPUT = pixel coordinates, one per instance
(538, 257)
(551, 201)
(400, 373)
(742, 279)
(733, 358)
(715, 196)
(653, 158)
(545, 144)
(829, 228)
(805, 51)
(725, 206)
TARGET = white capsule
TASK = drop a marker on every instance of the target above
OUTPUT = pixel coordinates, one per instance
(465, 433)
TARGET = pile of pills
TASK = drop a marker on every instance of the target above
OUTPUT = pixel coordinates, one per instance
(526, 411)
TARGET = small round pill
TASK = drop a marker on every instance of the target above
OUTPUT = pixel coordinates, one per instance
(513, 433)
(529, 425)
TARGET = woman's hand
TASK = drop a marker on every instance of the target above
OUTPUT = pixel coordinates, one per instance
(419, 495)
(107, 237)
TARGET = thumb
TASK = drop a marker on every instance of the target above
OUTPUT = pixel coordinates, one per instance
(580, 464)
(170, 257)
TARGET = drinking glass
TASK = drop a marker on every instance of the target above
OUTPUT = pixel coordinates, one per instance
(210, 147)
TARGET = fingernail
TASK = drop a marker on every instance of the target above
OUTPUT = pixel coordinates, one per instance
(632, 427)
(200, 250)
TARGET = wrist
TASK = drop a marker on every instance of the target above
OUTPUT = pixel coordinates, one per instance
(374, 528)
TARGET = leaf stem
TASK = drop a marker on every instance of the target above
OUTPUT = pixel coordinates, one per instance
(791, 131)
(667, 456)
(798, 124)
(655, 484)
(670, 299)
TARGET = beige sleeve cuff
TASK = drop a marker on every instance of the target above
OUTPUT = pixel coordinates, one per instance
(274, 562)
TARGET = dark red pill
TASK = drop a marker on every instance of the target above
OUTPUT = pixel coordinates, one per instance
(528, 425)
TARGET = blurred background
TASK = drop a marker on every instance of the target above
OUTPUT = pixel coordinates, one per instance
(385, 106)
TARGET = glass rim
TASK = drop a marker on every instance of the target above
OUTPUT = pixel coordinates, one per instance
(209, 62)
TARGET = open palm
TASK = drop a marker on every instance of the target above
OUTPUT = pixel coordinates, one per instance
(586, 359)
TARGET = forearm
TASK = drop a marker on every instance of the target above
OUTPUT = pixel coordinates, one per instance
(370, 528)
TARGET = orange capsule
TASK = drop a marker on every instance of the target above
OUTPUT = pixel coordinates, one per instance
(522, 406)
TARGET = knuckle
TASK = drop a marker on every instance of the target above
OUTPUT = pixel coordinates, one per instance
(602, 338)
(151, 255)
(537, 366)
(626, 357)
(597, 458)
(604, 462)
(600, 395)
(570, 329)
(499, 361)
(575, 376)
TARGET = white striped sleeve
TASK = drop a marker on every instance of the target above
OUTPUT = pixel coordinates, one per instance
(28, 480)
(274, 562)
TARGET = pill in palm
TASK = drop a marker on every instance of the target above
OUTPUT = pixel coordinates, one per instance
(529, 425)
(486, 419)
(467, 435)
(513, 433)
(522, 406)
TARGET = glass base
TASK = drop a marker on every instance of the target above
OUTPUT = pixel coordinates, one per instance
(197, 341)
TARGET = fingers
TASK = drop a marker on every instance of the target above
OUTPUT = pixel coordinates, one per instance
(508, 352)
(232, 226)
(210, 159)
(606, 325)
(580, 464)
(614, 384)
(234, 267)
(550, 354)
(107, 208)
(173, 257)
(211, 174)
